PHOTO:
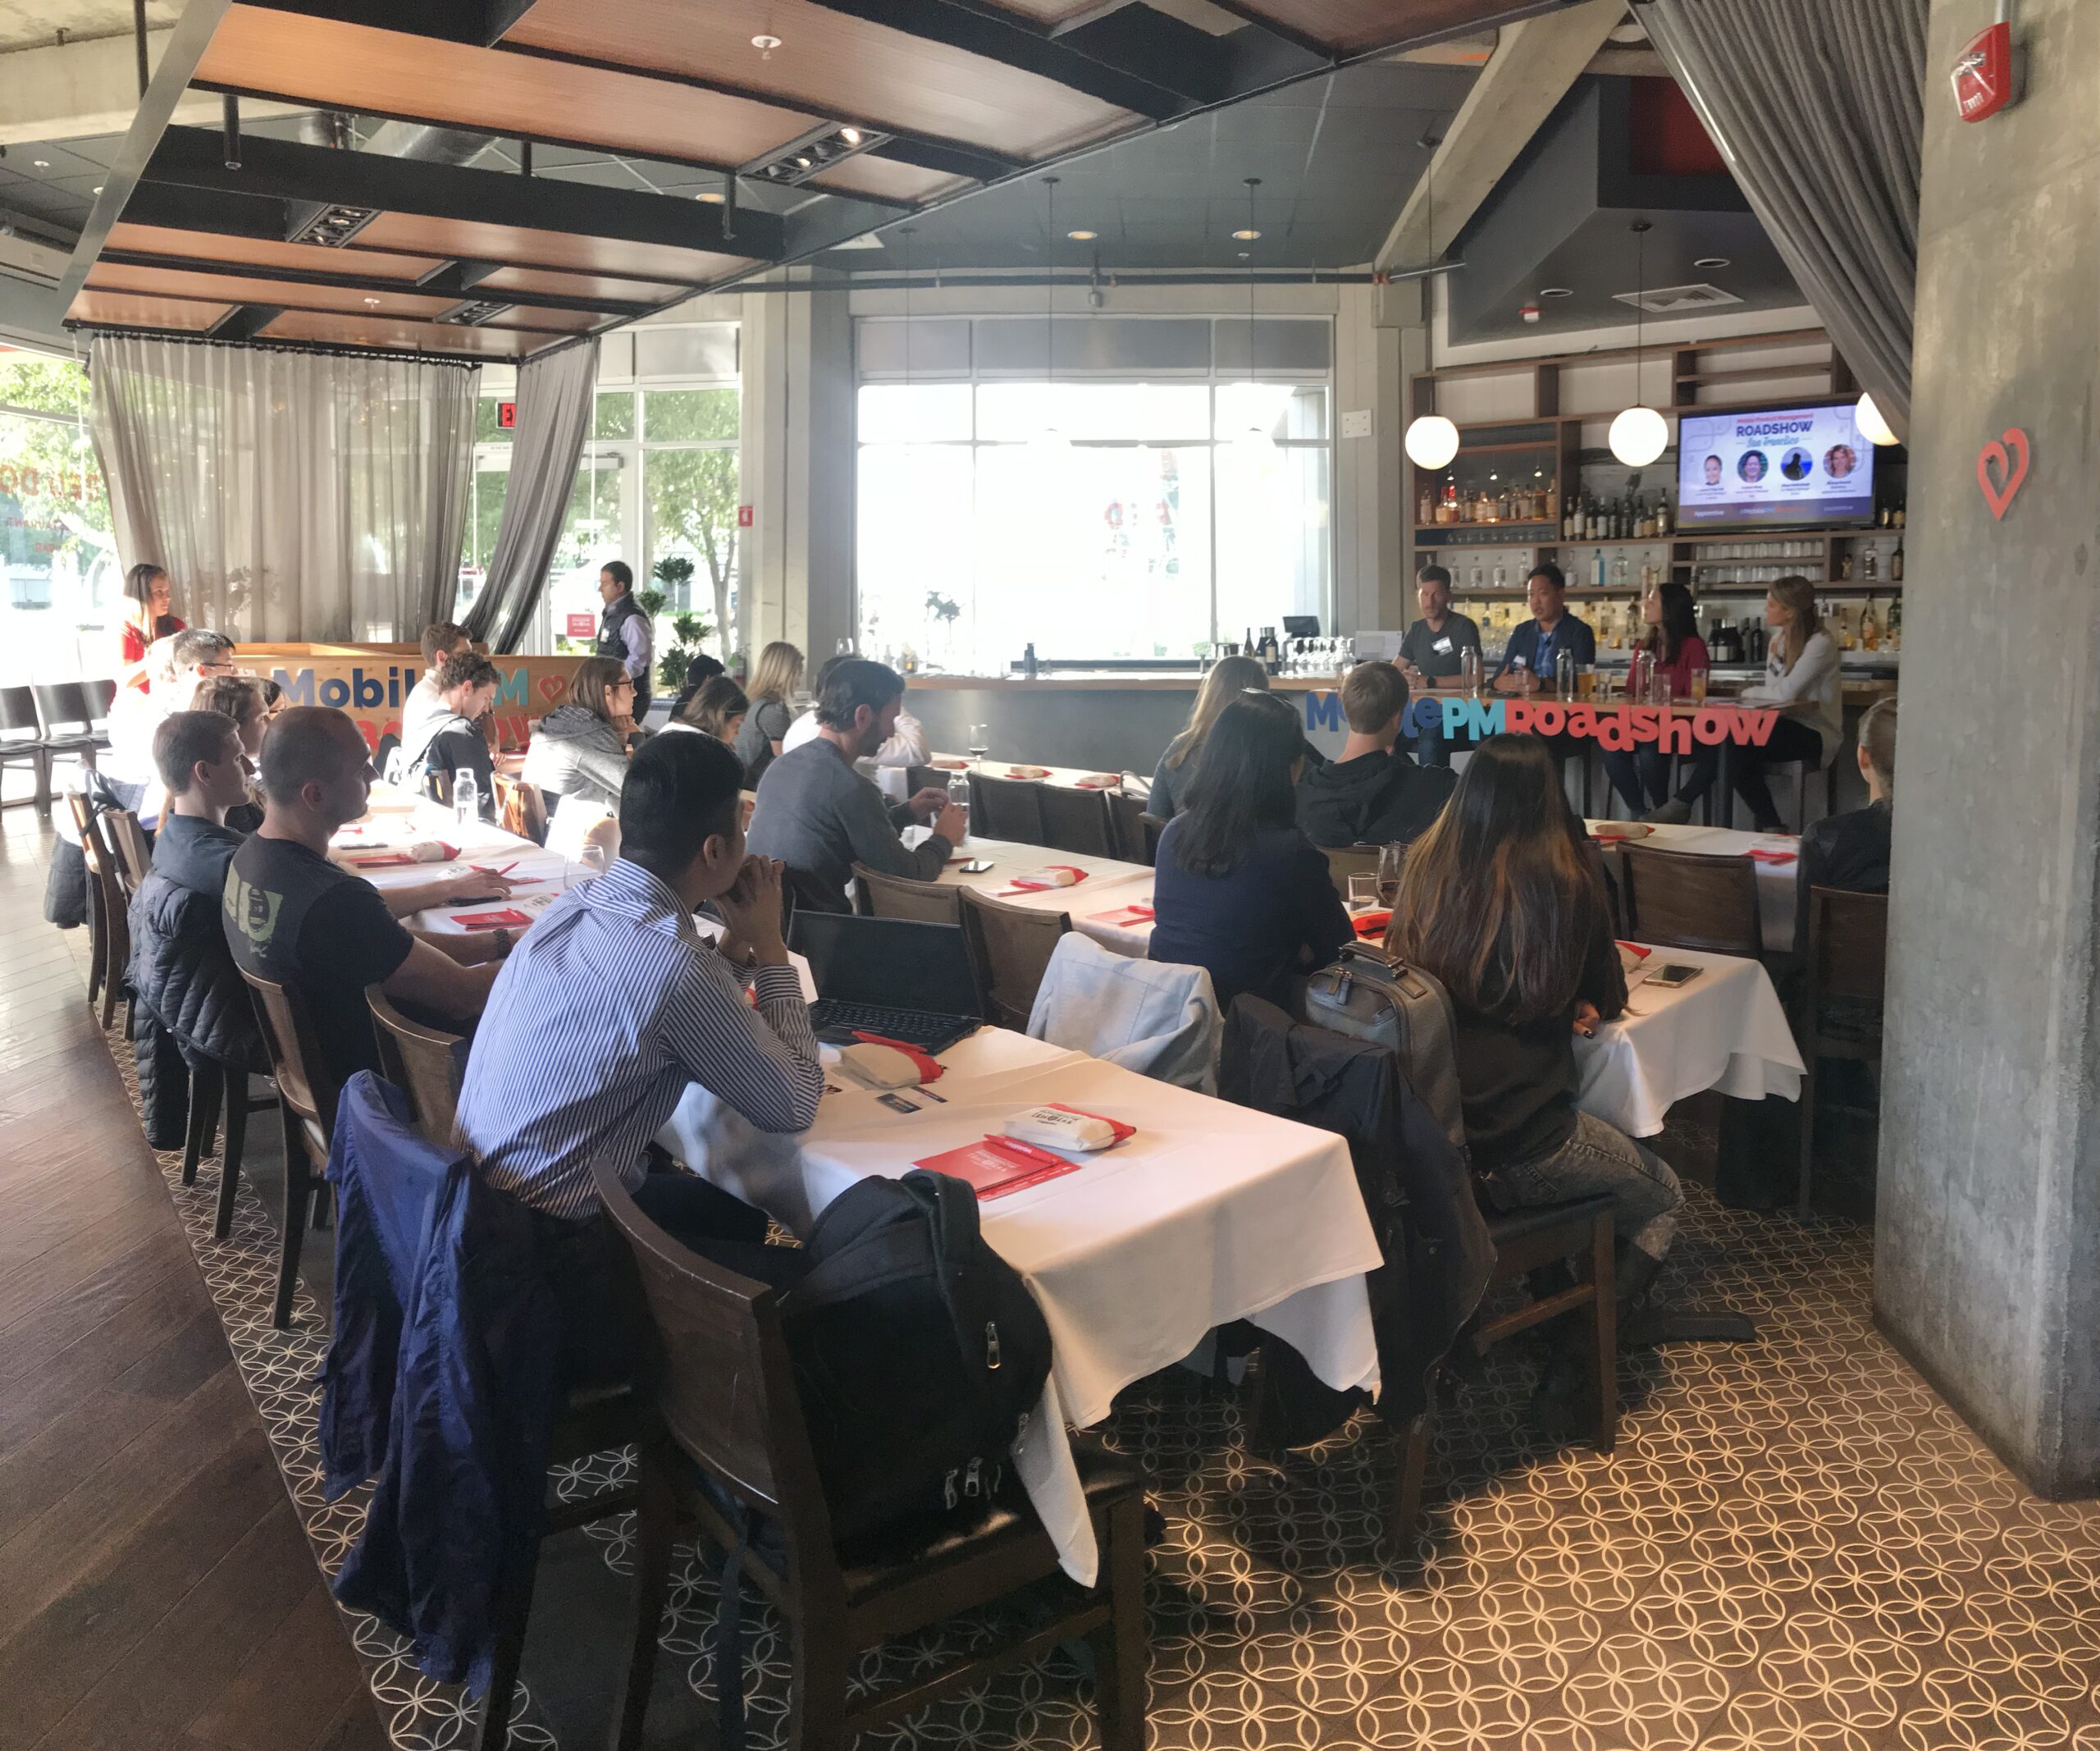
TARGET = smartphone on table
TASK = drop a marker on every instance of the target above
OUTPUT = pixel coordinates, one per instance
(1671, 974)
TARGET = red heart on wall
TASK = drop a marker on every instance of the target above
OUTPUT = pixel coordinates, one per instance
(552, 687)
(1998, 474)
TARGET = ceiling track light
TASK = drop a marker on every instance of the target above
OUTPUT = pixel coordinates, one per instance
(335, 225)
(813, 152)
(474, 311)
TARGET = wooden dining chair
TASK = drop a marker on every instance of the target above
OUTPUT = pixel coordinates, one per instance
(1011, 947)
(218, 1091)
(107, 896)
(1683, 899)
(1076, 820)
(731, 1443)
(1006, 808)
(1345, 861)
(1126, 828)
(306, 1104)
(521, 809)
(899, 897)
(1842, 990)
(135, 851)
(426, 1063)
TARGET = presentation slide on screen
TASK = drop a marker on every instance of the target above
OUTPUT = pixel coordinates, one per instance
(1799, 465)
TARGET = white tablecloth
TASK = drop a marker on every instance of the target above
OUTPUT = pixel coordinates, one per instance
(1775, 881)
(1212, 1213)
(393, 825)
(1725, 1030)
(1110, 885)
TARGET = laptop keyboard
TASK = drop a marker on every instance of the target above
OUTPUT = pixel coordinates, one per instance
(915, 1027)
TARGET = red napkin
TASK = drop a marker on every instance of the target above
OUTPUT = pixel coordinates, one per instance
(1078, 876)
(1635, 949)
(1372, 924)
(509, 918)
(1765, 854)
(929, 1069)
(1123, 916)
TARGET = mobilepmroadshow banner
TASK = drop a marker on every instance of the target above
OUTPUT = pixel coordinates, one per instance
(1618, 727)
(370, 682)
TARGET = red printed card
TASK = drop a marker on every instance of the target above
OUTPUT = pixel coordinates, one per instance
(508, 919)
(996, 1166)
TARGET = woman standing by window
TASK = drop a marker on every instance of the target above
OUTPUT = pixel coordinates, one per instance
(149, 597)
(772, 693)
(1801, 680)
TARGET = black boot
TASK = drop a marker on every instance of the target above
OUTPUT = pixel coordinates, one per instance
(1641, 1326)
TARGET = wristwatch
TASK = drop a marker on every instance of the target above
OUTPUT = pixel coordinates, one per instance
(503, 942)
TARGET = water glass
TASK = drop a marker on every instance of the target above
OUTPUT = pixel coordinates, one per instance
(1469, 670)
(959, 792)
(1363, 891)
(1564, 673)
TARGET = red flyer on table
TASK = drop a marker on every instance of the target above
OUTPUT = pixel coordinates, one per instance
(997, 1166)
(508, 919)
(1123, 916)
(393, 860)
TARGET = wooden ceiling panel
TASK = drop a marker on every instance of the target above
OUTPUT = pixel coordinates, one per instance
(263, 252)
(551, 322)
(408, 337)
(866, 174)
(119, 310)
(471, 240)
(242, 289)
(843, 67)
(580, 285)
(1353, 27)
(384, 72)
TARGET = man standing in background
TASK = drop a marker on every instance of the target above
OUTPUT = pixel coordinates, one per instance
(624, 633)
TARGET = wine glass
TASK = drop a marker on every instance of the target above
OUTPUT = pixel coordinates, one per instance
(1390, 859)
(980, 741)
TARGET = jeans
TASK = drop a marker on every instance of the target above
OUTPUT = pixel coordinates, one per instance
(1792, 740)
(1642, 776)
(1599, 1157)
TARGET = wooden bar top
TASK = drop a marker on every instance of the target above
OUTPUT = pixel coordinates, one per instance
(1861, 690)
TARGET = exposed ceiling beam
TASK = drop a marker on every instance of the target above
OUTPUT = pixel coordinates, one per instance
(480, 22)
(283, 171)
(454, 279)
(1534, 63)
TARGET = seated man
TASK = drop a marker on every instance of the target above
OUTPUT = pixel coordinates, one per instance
(1535, 646)
(1374, 794)
(1433, 652)
(1852, 850)
(819, 816)
(193, 654)
(906, 747)
(614, 1005)
(293, 917)
(441, 639)
(451, 741)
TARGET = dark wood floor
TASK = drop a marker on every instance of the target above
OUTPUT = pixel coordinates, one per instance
(156, 1589)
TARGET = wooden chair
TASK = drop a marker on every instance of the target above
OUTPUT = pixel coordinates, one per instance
(1345, 861)
(1847, 962)
(99, 961)
(1526, 1240)
(98, 847)
(730, 1415)
(219, 1088)
(426, 1063)
(899, 897)
(135, 851)
(1126, 826)
(306, 1103)
(1006, 808)
(1688, 900)
(22, 739)
(520, 808)
(1011, 947)
(1076, 820)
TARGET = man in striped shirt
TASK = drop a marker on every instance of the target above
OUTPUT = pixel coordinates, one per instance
(611, 1003)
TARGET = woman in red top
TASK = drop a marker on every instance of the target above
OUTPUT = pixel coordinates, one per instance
(146, 594)
(1642, 776)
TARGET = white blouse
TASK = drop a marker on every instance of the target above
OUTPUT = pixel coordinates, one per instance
(1808, 692)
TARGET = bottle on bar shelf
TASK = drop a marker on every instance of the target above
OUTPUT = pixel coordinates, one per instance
(1896, 564)
(1869, 629)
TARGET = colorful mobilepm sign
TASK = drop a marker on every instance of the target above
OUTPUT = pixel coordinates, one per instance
(372, 683)
(1776, 466)
(1618, 727)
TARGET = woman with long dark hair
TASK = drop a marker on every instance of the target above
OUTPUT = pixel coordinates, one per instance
(579, 749)
(148, 617)
(1502, 902)
(1238, 888)
(1642, 776)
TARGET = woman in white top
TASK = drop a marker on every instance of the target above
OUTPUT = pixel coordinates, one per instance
(1801, 679)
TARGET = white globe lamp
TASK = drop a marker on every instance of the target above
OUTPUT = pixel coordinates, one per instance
(1432, 441)
(1638, 435)
(1873, 428)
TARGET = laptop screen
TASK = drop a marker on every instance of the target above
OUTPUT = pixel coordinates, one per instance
(898, 963)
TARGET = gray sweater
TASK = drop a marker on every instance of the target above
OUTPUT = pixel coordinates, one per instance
(577, 753)
(820, 817)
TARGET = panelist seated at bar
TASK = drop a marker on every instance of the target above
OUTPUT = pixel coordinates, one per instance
(1673, 644)
(1433, 654)
(819, 816)
(1375, 794)
(1802, 677)
(1536, 645)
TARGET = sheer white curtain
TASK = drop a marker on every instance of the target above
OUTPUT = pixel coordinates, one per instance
(290, 496)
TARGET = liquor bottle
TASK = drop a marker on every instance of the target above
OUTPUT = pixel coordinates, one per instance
(1426, 506)
(1895, 639)
(1249, 648)
(1870, 563)
(1662, 514)
(1552, 501)
(1869, 629)
(1846, 641)
(1896, 564)
(1755, 646)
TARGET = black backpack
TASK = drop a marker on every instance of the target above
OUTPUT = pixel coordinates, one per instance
(1370, 995)
(919, 1353)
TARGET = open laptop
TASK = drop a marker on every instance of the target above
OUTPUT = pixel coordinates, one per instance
(863, 967)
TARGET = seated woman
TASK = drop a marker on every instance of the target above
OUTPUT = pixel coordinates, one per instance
(773, 687)
(1239, 890)
(1851, 850)
(699, 672)
(1501, 901)
(580, 749)
(716, 708)
(1801, 680)
(456, 742)
(1230, 677)
(1642, 776)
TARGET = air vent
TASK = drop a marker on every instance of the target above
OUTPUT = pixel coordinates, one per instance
(335, 225)
(474, 311)
(1676, 300)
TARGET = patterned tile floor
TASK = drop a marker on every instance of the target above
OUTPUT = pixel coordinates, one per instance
(1797, 1544)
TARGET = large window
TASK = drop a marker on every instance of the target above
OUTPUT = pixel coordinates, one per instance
(62, 584)
(656, 486)
(1098, 518)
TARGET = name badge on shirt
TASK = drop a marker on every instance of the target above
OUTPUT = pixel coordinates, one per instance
(1442, 647)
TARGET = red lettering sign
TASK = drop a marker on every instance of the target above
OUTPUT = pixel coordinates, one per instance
(583, 626)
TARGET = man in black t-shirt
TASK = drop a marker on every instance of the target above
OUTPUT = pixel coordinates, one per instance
(1374, 794)
(1432, 651)
(293, 916)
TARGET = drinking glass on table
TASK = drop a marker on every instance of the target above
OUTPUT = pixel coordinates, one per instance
(1363, 891)
(959, 792)
(1469, 670)
(1696, 684)
(1390, 858)
(980, 741)
(1564, 673)
(1586, 682)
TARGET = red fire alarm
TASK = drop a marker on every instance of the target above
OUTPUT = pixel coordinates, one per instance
(743, 516)
(506, 415)
(1984, 74)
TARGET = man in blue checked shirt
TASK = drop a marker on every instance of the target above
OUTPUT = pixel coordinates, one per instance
(1527, 661)
(611, 1003)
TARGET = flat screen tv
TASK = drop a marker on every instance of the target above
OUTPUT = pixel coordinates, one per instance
(1778, 467)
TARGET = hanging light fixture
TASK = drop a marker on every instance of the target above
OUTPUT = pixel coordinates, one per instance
(1254, 440)
(1050, 440)
(1639, 434)
(1873, 427)
(1431, 439)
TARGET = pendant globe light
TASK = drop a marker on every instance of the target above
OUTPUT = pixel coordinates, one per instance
(1639, 434)
(1874, 427)
(1431, 439)
(1254, 441)
(1050, 442)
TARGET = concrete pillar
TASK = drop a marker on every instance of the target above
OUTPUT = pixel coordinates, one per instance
(1987, 1267)
(797, 462)
(1370, 523)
